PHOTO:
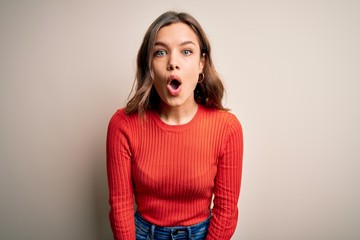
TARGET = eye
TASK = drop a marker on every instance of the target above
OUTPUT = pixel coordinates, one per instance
(160, 53)
(187, 52)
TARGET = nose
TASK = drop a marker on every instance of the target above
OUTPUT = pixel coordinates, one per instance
(172, 67)
(173, 64)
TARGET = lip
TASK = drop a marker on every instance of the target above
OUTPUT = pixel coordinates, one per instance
(172, 91)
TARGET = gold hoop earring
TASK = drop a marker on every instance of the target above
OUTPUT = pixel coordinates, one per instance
(201, 79)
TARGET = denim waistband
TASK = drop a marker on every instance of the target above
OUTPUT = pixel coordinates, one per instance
(157, 232)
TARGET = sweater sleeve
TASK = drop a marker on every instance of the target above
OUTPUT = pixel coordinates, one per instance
(118, 164)
(227, 184)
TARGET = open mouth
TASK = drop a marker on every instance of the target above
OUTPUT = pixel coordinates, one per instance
(174, 84)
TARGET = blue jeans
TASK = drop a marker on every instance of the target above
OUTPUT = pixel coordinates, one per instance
(148, 231)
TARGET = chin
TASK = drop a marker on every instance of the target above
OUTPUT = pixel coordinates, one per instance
(178, 103)
(174, 103)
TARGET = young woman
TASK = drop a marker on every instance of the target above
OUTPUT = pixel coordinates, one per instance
(174, 146)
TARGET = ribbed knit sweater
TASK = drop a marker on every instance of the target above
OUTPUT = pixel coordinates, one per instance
(172, 172)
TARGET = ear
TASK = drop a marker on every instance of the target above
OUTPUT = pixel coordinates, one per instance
(202, 62)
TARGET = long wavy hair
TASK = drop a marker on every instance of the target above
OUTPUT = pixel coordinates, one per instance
(208, 92)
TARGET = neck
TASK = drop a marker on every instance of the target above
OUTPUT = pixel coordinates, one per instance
(177, 115)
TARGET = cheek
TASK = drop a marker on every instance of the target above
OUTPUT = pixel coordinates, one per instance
(197, 66)
(157, 71)
(195, 71)
(194, 77)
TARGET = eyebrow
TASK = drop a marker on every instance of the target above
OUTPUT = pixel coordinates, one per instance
(159, 43)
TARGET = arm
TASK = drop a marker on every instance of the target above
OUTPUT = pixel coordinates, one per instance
(118, 163)
(227, 185)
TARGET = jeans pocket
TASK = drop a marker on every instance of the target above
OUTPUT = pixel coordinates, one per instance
(142, 231)
(141, 234)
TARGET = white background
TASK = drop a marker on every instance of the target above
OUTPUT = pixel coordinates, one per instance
(291, 69)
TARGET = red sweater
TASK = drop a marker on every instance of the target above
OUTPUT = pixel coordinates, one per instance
(173, 171)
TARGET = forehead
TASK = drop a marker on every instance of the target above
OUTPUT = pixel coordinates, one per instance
(177, 33)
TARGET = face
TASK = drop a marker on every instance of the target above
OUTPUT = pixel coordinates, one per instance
(176, 65)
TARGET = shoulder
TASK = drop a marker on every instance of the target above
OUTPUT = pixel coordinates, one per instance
(120, 119)
(221, 116)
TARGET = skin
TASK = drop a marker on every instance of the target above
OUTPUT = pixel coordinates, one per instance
(177, 55)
